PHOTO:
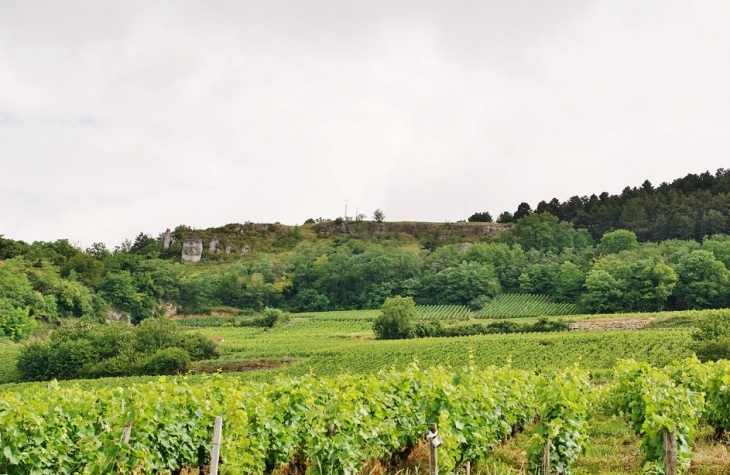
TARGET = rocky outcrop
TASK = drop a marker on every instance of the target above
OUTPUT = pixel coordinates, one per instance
(465, 246)
(167, 239)
(441, 231)
(245, 250)
(626, 324)
(192, 249)
(213, 245)
(113, 316)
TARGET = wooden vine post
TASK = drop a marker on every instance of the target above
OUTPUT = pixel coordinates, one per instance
(670, 451)
(127, 432)
(546, 457)
(433, 443)
(216, 450)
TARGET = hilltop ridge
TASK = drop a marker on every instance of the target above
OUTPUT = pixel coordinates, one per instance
(240, 239)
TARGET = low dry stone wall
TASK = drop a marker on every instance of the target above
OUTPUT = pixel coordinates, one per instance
(628, 324)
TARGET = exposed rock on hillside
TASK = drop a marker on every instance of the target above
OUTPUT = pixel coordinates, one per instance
(419, 230)
(192, 249)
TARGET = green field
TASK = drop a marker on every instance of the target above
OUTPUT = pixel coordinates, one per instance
(330, 343)
(342, 345)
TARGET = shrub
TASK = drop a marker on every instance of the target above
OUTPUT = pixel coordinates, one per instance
(85, 349)
(16, 323)
(484, 217)
(118, 366)
(167, 361)
(33, 362)
(712, 338)
(156, 334)
(428, 329)
(273, 317)
(199, 347)
(69, 357)
(396, 320)
(713, 350)
(543, 325)
(434, 329)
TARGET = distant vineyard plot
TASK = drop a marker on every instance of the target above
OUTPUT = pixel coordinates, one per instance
(525, 305)
(202, 322)
(443, 312)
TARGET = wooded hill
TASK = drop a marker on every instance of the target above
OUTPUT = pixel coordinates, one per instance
(687, 208)
(339, 264)
(239, 239)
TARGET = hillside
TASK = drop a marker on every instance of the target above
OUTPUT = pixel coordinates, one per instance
(690, 207)
(240, 239)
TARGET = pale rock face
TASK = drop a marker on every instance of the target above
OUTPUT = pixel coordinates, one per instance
(212, 245)
(167, 239)
(228, 249)
(245, 250)
(112, 316)
(465, 246)
(192, 249)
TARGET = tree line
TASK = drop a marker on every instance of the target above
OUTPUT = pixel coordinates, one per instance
(691, 207)
(540, 254)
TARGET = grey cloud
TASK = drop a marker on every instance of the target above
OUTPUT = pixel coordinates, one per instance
(206, 113)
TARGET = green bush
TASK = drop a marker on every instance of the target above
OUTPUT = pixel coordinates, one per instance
(543, 325)
(480, 302)
(713, 350)
(16, 323)
(118, 366)
(270, 318)
(33, 362)
(435, 329)
(428, 329)
(712, 338)
(68, 358)
(167, 361)
(396, 320)
(84, 349)
(199, 347)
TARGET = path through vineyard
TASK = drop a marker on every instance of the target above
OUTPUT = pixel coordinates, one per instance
(615, 450)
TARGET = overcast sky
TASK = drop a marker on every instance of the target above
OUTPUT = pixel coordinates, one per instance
(121, 117)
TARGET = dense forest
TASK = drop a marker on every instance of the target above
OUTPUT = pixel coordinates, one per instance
(541, 253)
(687, 208)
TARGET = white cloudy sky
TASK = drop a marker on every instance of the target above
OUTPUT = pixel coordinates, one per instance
(129, 116)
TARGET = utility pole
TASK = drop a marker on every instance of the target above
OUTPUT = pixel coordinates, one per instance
(345, 209)
(465, 212)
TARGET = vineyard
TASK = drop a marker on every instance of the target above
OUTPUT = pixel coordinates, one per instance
(202, 322)
(525, 305)
(443, 312)
(333, 426)
(342, 315)
(665, 405)
(345, 424)
(326, 368)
